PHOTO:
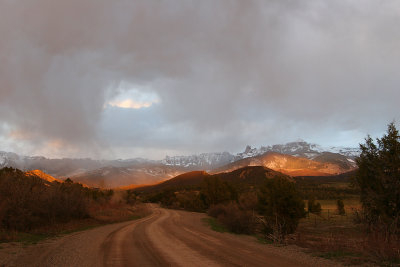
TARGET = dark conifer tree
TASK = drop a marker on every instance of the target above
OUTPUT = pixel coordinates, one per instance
(378, 178)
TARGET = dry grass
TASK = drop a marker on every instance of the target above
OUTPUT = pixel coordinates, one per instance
(337, 237)
(349, 204)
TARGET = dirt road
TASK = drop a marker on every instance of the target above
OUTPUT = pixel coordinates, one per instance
(165, 238)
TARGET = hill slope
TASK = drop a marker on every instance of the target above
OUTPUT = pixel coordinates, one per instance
(42, 175)
(293, 166)
(243, 177)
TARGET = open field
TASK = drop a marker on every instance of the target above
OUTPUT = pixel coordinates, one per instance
(337, 237)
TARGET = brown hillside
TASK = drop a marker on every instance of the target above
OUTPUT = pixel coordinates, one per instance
(42, 175)
(290, 165)
(243, 177)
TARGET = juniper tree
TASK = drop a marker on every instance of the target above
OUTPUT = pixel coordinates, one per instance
(281, 205)
(378, 178)
(340, 207)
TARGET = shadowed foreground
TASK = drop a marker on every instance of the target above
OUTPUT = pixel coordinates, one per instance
(165, 238)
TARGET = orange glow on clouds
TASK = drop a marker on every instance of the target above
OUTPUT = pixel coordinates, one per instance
(19, 135)
(129, 103)
(56, 144)
(133, 97)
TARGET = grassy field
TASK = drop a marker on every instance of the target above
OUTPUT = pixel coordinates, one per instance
(334, 236)
(349, 204)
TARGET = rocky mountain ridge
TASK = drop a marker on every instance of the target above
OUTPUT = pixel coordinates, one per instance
(324, 165)
(299, 148)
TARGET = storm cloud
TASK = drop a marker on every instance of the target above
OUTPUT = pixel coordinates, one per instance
(146, 78)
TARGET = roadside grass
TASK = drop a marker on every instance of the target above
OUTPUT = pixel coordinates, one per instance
(215, 225)
(339, 255)
(83, 227)
(25, 238)
(135, 217)
(218, 227)
(262, 240)
(103, 216)
(31, 239)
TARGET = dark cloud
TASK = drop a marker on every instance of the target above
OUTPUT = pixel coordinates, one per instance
(227, 73)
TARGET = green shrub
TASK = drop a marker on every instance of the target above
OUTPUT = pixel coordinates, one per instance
(234, 218)
(282, 207)
(130, 197)
(216, 210)
(215, 191)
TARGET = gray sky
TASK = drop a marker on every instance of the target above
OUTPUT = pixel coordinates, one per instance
(121, 79)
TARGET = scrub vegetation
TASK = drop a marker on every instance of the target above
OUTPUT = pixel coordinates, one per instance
(31, 206)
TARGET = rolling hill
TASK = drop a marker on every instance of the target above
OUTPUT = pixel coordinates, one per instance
(243, 177)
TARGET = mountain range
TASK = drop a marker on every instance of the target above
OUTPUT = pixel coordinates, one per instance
(210, 161)
(295, 158)
(322, 165)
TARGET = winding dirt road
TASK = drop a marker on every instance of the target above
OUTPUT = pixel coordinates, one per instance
(165, 238)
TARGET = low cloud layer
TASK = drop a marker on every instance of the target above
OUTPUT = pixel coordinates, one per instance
(197, 75)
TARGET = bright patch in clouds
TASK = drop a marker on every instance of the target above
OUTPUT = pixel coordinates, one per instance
(130, 103)
(130, 97)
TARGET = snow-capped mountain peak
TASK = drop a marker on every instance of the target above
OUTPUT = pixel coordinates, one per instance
(204, 160)
(299, 148)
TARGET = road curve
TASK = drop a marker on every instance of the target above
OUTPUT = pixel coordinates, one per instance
(165, 238)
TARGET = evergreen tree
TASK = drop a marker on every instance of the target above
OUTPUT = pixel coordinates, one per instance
(215, 191)
(378, 177)
(340, 207)
(314, 207)
(282, 206)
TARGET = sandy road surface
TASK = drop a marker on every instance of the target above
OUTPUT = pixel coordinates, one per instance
(165, 238)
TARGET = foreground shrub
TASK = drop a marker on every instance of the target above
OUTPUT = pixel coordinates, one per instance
(281, 206)
(21, 200)
(66, 201)
(234, 218)
(313, 206)
(190, 200)
(130, 197)
(215, 191)
(216, 210)
(382, 247)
